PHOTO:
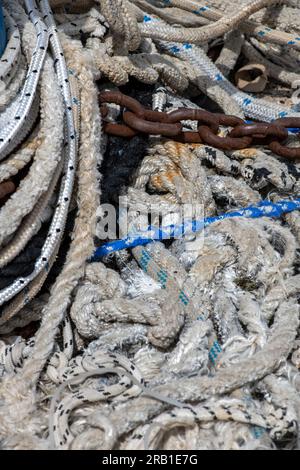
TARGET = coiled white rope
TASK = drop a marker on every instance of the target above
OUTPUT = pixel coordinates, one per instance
(175, 325)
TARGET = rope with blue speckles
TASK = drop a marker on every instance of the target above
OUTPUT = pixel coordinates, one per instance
(264, 209)
(250, 27)
(182, 372)
(254, 108)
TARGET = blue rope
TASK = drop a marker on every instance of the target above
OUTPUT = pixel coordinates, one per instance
(3, 36)
(263, 209)
(263, 32)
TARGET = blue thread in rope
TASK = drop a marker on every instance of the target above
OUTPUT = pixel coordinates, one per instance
(261, 33)
(263, 209)
(214, 352)
(3, 36)
(178, 49)
(258, 431)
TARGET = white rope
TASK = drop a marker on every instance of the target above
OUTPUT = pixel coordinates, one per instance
(185, 344)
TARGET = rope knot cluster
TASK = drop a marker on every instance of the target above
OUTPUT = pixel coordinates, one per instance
(158, 341)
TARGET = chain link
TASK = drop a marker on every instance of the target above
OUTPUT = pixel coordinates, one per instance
(137, 119)
(6, 188)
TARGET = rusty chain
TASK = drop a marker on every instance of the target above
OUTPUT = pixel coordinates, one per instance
(137, 119)
(6, 189)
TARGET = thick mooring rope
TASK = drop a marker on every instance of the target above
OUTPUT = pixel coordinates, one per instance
(169, 334)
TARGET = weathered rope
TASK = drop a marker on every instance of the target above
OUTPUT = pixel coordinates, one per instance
(265, 34)
(188, 342)
(204, 34)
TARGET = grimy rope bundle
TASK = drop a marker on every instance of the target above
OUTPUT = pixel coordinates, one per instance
(176, 334)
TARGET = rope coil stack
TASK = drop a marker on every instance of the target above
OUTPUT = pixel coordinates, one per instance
(142, 342)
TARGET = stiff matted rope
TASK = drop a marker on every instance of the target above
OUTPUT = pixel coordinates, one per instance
(251, 27)
(265, 209)
(184, 333)
(204, 34)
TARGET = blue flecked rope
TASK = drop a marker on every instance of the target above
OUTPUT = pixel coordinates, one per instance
(3, 37)
(183, 49)
(263, 209)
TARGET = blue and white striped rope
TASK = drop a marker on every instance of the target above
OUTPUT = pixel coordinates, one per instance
(263, 209)
(265, 31)
(253, 108)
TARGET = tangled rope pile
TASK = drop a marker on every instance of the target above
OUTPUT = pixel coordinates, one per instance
(187, 343)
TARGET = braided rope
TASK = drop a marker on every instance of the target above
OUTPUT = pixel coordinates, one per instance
(250, 27)
(189, 342)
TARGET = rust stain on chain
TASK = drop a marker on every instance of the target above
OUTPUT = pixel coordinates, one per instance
(137, 119)
(248, 153)
(6, 188)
